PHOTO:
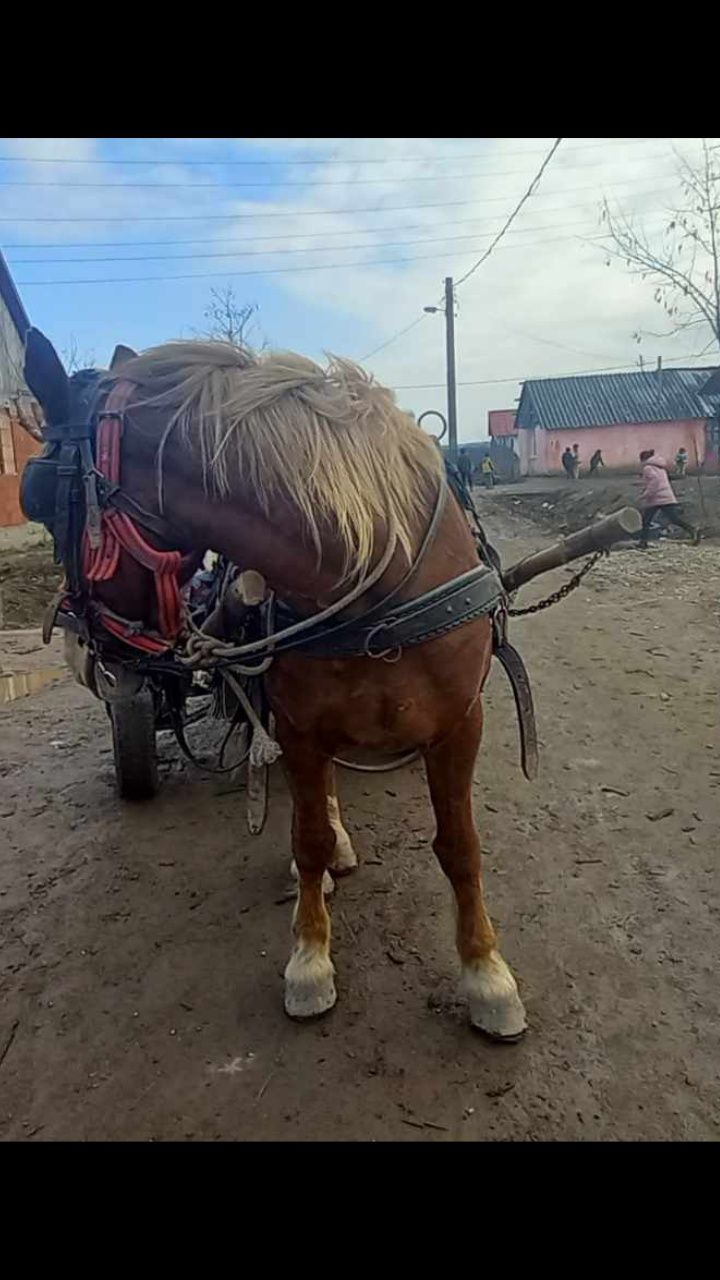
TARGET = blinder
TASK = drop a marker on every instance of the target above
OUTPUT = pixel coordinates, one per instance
(73, 488)
(58, 489)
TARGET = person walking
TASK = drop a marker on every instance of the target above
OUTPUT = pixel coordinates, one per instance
(568, 462)
(681, 459)
(596, 461)
(657, 496)
(465, 467)
(576, 461)
(487, 471)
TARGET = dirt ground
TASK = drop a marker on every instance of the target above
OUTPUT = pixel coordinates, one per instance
(28, 579)
(143, 947)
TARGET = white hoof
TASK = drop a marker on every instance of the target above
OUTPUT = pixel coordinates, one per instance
(344, 859)
(492, 995)
(309, 984)
(328, 884)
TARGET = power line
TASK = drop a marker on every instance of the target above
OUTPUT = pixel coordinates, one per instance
(509, 221)
(489, 250)
(413, 324)
(575, 373)
(272, 182)
(286, 235)
(251, 253)
(427, 159)
(311, 213)
(273, 271)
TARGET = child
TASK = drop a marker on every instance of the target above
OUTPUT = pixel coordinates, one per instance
(657, 495)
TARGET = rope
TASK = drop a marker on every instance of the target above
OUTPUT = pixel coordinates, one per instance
(264, 750)
(203, 650)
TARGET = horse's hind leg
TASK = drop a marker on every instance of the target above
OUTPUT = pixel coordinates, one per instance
(491, 990)
(344, 859)
(309, 976)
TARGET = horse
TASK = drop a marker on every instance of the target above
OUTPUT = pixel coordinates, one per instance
(317, 480)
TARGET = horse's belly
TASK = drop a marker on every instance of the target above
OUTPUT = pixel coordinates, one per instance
(380, 705)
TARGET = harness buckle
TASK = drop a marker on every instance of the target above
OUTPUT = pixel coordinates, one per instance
(396, 650)
(93, 514)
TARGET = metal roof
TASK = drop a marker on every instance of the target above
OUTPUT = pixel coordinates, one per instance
(12, 299)
(712, 388)
(609, 399)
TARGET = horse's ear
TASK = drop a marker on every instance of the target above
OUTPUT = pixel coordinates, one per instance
(121, 355)
(46, 377)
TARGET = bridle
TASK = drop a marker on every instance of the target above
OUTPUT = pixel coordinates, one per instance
(90, 549)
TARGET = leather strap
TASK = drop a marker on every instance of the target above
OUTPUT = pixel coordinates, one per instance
(474, 594)
(516, 672)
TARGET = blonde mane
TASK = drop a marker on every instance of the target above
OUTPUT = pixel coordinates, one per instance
(331, 442)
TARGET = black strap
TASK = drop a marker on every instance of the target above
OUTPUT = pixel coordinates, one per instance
(433, 614)
(517, 674)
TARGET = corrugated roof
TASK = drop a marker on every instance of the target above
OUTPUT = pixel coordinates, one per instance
(712, 387)
(12, 299)
(501, 422)
(608, 399)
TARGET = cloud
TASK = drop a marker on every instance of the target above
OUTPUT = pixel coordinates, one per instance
(544, 303)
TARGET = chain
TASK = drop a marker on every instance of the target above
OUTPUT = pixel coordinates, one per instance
(562, 592)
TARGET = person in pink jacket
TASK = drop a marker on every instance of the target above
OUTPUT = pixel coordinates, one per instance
(657, 496)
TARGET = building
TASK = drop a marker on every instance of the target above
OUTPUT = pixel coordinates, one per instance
(620, 414)
(16, 444)
(502, 429)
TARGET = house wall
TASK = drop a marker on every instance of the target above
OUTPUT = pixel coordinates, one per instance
(12, 356)
(541, 450)
(16, 446)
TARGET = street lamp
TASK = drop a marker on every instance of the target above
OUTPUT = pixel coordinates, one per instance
(449, 310)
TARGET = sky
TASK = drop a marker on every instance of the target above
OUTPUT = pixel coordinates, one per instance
(341, 243)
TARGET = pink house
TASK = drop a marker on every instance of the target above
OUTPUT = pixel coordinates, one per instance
(620, 414)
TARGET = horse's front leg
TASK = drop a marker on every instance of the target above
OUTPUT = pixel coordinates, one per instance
(491, 990)
(309, 976)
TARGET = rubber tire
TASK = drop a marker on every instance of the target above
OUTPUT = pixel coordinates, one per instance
(134, 747)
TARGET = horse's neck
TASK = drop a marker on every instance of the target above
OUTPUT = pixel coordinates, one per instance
(273, 545)
(277, 547)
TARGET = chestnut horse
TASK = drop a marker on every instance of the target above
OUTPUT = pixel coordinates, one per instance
(312, 476)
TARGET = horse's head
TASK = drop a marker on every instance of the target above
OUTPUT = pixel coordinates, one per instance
(111, 557)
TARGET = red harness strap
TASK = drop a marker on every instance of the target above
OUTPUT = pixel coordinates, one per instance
(118, 531)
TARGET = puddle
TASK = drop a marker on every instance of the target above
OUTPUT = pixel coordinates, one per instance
(19, 684)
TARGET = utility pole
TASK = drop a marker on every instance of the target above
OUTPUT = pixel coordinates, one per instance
(450, 365)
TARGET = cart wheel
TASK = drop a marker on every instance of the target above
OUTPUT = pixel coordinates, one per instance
(133, 731)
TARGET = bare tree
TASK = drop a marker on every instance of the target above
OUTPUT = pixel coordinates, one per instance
(230, 320)
(683, 261)
(73, 359)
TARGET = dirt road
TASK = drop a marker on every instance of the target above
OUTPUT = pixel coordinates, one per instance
(143, 946)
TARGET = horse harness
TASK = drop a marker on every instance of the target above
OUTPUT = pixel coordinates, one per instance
(74, 489)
